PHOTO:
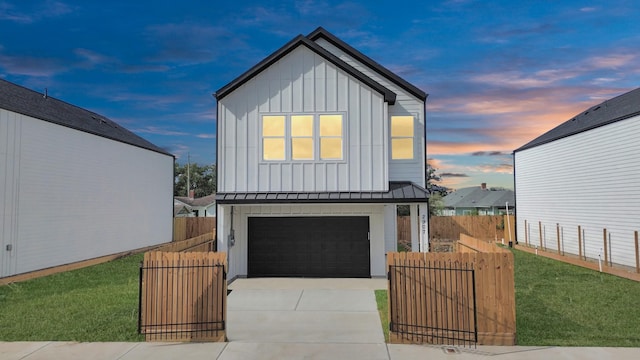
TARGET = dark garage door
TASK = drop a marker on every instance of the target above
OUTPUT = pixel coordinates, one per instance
(309, 246)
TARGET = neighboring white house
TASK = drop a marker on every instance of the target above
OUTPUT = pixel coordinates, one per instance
(585, 172)
(196, 207)
(75, 185)
(317, 145)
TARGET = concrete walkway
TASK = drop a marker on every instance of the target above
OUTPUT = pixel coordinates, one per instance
(298, 319)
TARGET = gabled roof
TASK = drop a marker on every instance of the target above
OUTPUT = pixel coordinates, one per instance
(320, 32)
(203, 201)
(476, 197)
(619, 108)
(389, 96)
(399, 192)
(30, 103)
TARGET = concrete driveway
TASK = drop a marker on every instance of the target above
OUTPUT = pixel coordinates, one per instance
(318, 316)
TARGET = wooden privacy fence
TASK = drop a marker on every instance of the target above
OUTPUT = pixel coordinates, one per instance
(183, 296)
(190, 227)
(479, 226)
(432, 295)
(204, 242)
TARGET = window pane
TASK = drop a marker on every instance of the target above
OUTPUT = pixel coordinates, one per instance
(302, 125)
(331, 148)
(402, 148)
(402, 126)
(302, 149)
(330, 125)
(273, 149)
(273, 125)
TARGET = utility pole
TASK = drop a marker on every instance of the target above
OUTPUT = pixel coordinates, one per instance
(188, 174)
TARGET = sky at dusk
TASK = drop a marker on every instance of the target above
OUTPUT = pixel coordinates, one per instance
(498, 73)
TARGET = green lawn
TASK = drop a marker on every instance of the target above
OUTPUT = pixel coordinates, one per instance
(558, 304)
(562, 304)
(98, 303)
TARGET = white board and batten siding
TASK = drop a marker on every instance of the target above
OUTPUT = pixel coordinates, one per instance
(406, 104)
(589, 179)
(238, 265)
(303, 82)
(68, 196)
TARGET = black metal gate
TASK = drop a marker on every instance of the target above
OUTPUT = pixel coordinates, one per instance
(183, 298)
(432, 302)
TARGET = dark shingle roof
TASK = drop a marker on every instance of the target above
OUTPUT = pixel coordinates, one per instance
(203, 201)
(476, 197)
(322, 33)
(389, 96)
(398, 192)
(619, 108)
(28, 102)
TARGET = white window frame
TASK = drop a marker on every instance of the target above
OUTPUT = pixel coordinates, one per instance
(415, 139)
(288, 158)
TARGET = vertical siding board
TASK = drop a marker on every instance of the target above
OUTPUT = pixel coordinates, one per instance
(366, 169)
(355, 134)
(320, 84)
(308, 60)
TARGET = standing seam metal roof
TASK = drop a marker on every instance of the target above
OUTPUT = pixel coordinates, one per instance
(31, 103)
(399, 192)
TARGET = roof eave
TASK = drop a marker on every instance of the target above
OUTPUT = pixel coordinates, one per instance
(389, 96)
(320, 32)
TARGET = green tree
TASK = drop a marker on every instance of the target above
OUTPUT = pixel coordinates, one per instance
(202, 179)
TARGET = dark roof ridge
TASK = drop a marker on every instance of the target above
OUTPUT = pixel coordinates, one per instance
(28, 102)
(618, 108)
(299, 40)
(412, 89)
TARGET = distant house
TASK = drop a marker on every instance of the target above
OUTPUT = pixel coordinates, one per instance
(317, 145)
(198, 207)
(478, 200)
(75, 185)
(585, 172)
(181, 209)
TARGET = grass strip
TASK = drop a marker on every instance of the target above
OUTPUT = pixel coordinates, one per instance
(97, 303)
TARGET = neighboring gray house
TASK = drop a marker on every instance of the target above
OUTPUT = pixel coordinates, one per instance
(585, 172)
(198, 207)
(317, 145)
(478, 200)
(75, 185)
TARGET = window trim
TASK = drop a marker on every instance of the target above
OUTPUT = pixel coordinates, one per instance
(414, 139)
(288, 158)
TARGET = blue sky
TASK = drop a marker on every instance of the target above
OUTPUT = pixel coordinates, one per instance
(499, 73)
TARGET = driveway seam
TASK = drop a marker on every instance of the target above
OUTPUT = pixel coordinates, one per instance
(299, 299)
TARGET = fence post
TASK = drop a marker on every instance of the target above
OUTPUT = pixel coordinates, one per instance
(637, 255)
(526, 233)
(558, 235)
(540, 228)
(604, 235)
(579, 242)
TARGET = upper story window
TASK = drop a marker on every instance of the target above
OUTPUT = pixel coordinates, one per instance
(273, 135)
(302, 137)
(331, 137)
(402, 131)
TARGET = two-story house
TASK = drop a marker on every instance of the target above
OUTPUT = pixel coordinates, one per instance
(317, 145)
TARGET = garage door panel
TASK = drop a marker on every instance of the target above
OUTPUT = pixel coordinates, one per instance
(309, 246)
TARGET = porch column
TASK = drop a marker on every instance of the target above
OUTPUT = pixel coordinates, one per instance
(423, 210)
(415, 238)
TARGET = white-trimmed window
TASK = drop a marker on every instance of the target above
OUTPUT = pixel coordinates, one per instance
(402, 131)
(331, 137)
(302, 137)
(273, 135)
